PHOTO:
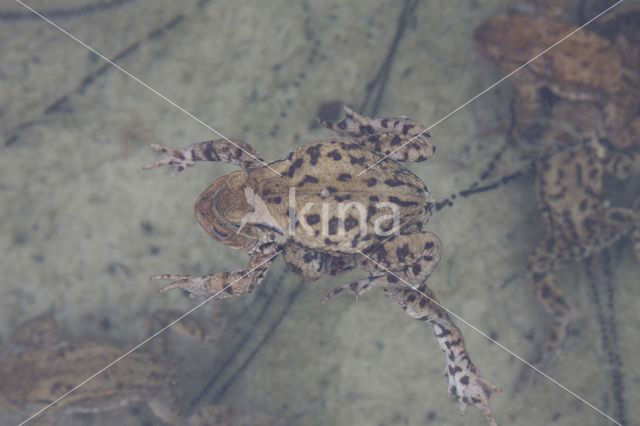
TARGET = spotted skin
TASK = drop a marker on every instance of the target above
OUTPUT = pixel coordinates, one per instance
(42, 369)
(591, 89)
(233, 152)
(400, 138)
(465, 382)
(223, 284)
(585, 67)
(580, 222)
(413, 256)
(326, 217)
(406, 262)
(579, 225)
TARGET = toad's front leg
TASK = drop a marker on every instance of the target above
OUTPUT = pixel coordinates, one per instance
(223, 284)
(402, 139)
(234, 152)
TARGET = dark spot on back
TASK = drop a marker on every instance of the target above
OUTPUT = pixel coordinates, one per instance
(357, 160)
(393, 182)
(308, 179)
(296, 164)
(312, 219)
(366, 129)
(314, 153)
(350, 223)
(335, 155)
(401, 203)
(402, 252)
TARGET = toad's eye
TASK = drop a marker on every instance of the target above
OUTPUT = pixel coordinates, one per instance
(219, 234)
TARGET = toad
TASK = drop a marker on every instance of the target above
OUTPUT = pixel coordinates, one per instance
(317, 209)
(584, 67)
(590, 129)
(571, 197)
(44, 369)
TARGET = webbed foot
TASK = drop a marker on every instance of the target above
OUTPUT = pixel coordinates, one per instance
(179, 158)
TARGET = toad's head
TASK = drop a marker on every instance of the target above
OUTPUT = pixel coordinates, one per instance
(233, 214)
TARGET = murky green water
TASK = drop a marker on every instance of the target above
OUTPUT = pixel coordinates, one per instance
(83, 227)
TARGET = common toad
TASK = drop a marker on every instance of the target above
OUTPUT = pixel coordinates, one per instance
(584, 67)
(589, 130)
(37, 376)
(316, 208)
(571, 194)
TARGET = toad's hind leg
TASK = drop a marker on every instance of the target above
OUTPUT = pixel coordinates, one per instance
(553, 252)
(223, 284)
(550, 295)
(465, 381)
(415, 256)
(234, 152)
(400, 267)
(402, 139)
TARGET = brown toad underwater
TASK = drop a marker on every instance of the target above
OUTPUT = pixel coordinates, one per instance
(589, 131)
(42, 371)
(584, 68)
(371, 221)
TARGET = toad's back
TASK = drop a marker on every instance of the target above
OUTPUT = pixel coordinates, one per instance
(322, 179)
